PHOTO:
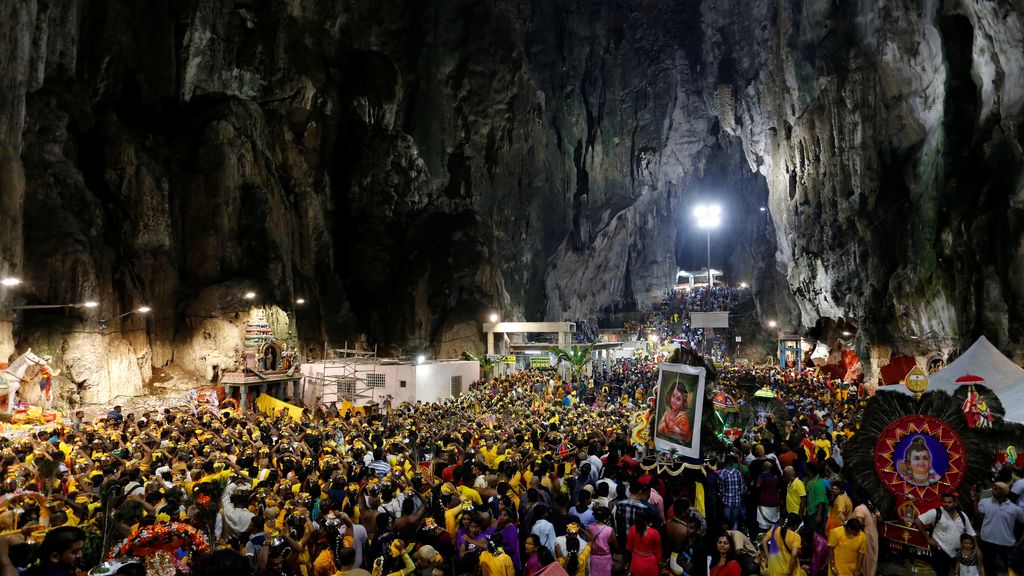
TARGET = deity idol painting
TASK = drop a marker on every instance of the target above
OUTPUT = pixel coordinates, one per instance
(678, 413)
(920, 460)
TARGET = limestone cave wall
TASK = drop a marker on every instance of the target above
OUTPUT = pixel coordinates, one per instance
(408, 167)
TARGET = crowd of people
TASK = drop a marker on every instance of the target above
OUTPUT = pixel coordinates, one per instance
(523, 475)
(669, 320)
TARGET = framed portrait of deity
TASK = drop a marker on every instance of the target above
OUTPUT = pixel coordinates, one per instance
(677, 413)
(920, 457)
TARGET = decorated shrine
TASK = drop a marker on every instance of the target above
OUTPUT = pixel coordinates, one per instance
(266, 366)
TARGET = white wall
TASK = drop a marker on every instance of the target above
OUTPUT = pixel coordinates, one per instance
(433, 380)
(428, 382)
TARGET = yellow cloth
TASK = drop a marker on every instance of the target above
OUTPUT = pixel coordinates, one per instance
(780, 556)
(490, 456)
(269, 405)
(500, 565)
(451, 519)
(698, 500)
(823, 445)
(841, 509)
(795, 491)
(581, 569)
(471, 494)
(847, 550)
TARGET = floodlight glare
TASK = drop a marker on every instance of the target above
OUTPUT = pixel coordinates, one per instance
(708, 215)
(10, 281)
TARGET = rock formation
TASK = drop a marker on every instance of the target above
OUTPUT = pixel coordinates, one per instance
(408, 167)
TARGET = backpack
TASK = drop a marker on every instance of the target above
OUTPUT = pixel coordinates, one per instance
(938, 516)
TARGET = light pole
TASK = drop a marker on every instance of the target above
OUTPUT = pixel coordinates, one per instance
(139, 310)
(709, 217)
(89, 304)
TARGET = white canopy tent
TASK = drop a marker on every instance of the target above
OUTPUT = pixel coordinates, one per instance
(1004, 378)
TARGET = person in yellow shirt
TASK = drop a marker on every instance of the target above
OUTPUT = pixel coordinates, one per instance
(490, 453)
(796, 493)
(573, 552)
(842, 506)
(453, 514)
(494, 561)
(847, 546)
(470, 494)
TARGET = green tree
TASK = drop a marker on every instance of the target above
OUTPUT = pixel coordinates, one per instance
(577, 359)
(486, 364)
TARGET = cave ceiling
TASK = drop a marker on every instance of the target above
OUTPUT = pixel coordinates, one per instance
(406, 168)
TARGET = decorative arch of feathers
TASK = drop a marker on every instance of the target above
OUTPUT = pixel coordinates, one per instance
(980, 445)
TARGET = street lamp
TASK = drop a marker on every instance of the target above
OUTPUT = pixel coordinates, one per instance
(494, 317)
(10, 281)
(140, 310)
(744, 285)
(772, 324)
(709, 217)
(250, 295)
(89, 304)
(300, 301)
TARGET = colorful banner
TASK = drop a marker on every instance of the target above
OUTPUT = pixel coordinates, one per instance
(507, 360)
(542, 361)
(269, 405)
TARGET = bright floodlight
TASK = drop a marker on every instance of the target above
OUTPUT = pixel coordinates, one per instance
(91, 304)
(300, 301)
(143, 309)
(421, 359)
(493, 318)
(772, 324)
(250, 295)
(846, 333)
(10, 281)
(743, 284)
(708, 215)
(763, 209)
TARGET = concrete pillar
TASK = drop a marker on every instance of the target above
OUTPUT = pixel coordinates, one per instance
(263, 388)
(490, 342)
(295, 393)
(243, 397)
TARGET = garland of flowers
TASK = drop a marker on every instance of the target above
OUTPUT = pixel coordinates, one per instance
(177, 539)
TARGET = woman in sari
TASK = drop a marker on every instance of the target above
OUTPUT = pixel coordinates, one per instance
(781, 546)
